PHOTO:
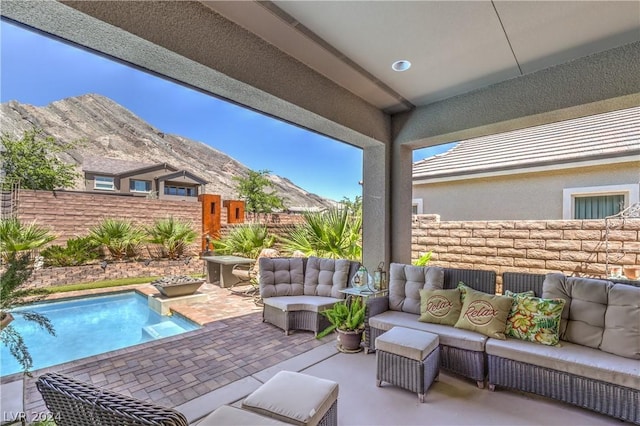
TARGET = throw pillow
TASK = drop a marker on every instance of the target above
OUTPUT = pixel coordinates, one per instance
(484, 313)
(534, 319)
(440, 306)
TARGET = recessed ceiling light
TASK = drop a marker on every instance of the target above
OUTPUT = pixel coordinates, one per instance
(401, 65)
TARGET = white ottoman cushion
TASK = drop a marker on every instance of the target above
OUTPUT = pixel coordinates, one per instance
(232, 416)
(294, 398)
(406, 342)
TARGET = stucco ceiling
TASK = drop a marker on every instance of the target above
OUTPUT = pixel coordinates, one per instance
(455, 47)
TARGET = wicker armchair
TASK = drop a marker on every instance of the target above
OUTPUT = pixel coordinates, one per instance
(74, 403)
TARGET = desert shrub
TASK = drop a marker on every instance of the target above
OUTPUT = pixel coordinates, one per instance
(16, 237)
(173, 235)
(334, 233)
(120, 237)
(77, 251)
(245, 240)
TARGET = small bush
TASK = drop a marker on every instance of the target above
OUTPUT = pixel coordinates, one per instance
(246, 240)
(120, 237)
(77, 251)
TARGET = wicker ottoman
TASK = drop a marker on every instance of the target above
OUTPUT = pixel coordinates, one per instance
(296, 398)
(408, 358)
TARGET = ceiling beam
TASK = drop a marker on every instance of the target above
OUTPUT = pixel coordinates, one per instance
(594, 84)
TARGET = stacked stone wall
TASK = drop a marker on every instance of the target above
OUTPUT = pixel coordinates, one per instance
(573, 247)
(51, 277)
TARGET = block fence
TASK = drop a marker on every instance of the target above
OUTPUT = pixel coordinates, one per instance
(72, 214)
(573, 247)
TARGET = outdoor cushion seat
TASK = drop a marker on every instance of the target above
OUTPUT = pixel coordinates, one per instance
(301, 303)
(296, 398)
(571, 358)
(232, 416)
(449, 336)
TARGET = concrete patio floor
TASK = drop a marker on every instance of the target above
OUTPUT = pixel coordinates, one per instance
(235, 352)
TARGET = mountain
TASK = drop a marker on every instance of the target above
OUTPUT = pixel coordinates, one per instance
(107, 129)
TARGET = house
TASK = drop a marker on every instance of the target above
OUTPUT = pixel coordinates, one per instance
(585, 168)
(160, 180)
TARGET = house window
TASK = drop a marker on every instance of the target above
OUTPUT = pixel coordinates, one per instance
(140, 185)
(103, 182)
(598, 202)
(597, 207)
(416, 206)
(184, 191)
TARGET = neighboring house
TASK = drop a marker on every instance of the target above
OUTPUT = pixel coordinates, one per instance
(160, 180)
(586, 168)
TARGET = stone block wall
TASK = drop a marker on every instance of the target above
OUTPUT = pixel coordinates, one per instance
(71, 214)
(51, 277)
(573, 247)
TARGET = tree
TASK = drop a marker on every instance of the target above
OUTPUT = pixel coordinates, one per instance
(252, 190)
(32, 161)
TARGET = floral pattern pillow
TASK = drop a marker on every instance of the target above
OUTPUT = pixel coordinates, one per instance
(534, 319)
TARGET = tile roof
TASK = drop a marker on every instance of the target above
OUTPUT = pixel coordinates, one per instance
(608, 135)
(111, 166)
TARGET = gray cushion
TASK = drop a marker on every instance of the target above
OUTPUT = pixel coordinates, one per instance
(407, 342)
(585, 307)
(405, 283)
(281, 277)
(232, 416)
(622, 322)
(572, 358)
(449, 336)
(301, 303)
(326, 277)
(294, 398)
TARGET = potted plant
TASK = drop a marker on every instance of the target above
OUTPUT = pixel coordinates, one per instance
(347, 319)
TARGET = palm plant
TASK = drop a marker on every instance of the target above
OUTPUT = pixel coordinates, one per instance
(245, 240)
(333, 233)
(16, 237)
(120, 237)
(173, 235)
(16, 243)
(76, 251)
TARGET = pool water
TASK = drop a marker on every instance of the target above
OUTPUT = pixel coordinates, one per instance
(90, 326)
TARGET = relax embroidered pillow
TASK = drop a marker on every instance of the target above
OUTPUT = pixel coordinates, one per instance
(484, 313)
(440, 306)
(534, 319)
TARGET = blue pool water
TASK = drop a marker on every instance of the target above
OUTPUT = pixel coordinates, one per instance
(90, 326)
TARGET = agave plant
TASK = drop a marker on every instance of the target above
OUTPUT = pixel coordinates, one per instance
(346, 315)
(120, 237)
(245, 240)
(173, 235)
(333, 233)
(16, 237)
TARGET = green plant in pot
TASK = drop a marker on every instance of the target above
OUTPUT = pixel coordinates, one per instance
(347, 319)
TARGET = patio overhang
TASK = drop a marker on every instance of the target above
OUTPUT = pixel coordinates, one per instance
(207, 46)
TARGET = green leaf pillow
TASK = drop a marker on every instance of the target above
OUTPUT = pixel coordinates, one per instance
(484, 313)
(534, 319)
(440, 306)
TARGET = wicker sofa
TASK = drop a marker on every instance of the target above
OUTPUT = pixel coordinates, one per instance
(295, 290)
(596, 366)
(461, 351)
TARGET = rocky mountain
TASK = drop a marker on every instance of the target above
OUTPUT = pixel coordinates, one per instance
(107, 129)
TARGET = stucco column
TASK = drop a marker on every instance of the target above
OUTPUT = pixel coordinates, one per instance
(401, 202)
(375, 206)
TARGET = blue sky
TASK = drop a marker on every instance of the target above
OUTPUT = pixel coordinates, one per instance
(38, 70)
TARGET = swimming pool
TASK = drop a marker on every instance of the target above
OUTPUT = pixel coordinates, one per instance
(91, 326)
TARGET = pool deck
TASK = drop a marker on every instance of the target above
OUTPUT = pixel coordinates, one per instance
(232, 345)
